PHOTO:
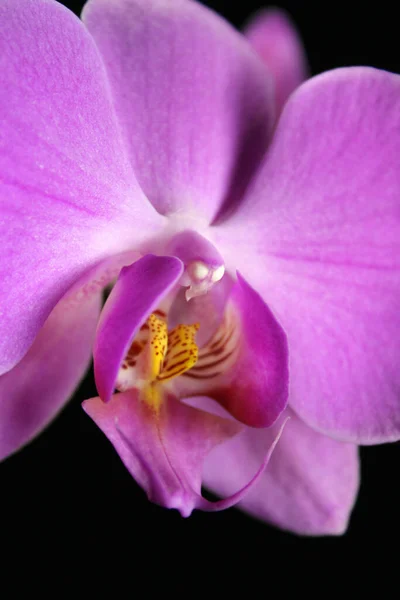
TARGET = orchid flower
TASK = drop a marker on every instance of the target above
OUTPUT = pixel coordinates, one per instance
(246, 227)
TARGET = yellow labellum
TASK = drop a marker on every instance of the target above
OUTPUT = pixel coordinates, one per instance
(155, 348)
(182, 352)
(166, 355)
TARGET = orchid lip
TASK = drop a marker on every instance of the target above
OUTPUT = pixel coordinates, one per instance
(215, 344)
(147, 422)
(162, 441)
(158, 357)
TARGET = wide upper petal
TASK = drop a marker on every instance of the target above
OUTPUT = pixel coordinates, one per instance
(319, 237)
(309, 487)
(34, 391)
(68, 195)
(193, 99)
(274, 37)
(138, 291)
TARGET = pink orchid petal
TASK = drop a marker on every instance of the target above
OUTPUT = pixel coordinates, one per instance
(324, 215)
(193, 99)
(138, 290)
(68, 194)
(251, 483)
(165, 455)
(273, 35)
(309, 487)
(103, 274)
(35, 390)
(254, 389)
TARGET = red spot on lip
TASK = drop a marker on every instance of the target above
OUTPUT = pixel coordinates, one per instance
(134, 350)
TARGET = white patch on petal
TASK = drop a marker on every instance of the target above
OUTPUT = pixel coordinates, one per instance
(200, 277)
(198, 270)
(218, 274)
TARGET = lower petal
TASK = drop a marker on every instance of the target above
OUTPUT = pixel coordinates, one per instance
(163, 452)
(34, 391)
(309, 487)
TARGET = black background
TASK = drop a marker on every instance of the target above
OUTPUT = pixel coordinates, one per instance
(72, 511)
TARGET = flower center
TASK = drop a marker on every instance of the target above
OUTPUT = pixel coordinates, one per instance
(157, 356)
